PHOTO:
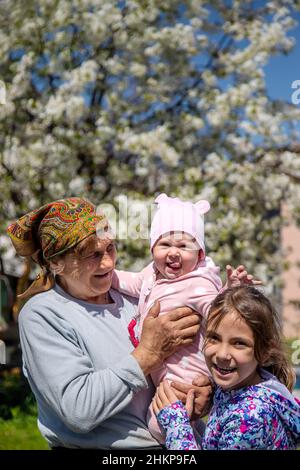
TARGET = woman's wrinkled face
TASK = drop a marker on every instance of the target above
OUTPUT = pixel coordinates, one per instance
(88, 276)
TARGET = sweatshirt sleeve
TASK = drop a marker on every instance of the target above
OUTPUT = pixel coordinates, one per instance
(62, 374)
(127, 282)
(201, 292)
(175, 422)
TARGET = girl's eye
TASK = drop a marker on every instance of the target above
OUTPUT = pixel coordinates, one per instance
(240, 344)
(212, 339)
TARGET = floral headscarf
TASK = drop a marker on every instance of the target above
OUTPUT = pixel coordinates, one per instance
(51, 230)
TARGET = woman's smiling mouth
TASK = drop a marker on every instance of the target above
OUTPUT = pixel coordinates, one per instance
(103, 276)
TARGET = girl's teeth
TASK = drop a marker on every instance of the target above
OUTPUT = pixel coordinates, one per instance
(223, 370)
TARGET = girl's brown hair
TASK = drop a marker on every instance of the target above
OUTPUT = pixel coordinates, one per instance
(259, 314)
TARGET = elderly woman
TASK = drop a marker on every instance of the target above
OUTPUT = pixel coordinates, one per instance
(90, 384)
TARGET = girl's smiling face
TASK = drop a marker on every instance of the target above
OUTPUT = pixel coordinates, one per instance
(229, 353)
(176, 254)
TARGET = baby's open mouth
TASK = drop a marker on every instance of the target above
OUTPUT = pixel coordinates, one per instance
(224, 370)
(174, 265)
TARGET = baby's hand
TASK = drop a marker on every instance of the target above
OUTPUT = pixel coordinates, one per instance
(239, 277)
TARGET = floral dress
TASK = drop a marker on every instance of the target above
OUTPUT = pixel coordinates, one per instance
(263, 416)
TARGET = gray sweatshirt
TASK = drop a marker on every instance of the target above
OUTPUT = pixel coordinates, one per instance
(90, 391)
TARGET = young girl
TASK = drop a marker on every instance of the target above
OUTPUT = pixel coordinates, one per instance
(180, 275)
(253, 407)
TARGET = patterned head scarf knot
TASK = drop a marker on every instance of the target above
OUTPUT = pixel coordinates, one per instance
(51, 230)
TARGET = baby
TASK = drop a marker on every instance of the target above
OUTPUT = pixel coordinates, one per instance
(180, 275)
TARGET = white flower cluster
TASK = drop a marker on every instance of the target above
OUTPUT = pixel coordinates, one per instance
(107, 98)
(150, 144)
(178, 37)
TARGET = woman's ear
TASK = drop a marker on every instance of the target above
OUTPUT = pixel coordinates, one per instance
(56, 266)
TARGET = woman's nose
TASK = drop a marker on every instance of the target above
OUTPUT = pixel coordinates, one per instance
(107, 260)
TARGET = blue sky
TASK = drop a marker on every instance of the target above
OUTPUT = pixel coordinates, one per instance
(282, 70)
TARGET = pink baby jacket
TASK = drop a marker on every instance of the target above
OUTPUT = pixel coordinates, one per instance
(196, 290)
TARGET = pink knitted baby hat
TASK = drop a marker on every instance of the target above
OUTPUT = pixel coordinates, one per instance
(175, 215)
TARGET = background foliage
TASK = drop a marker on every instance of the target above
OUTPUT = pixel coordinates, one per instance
(138, 97)
(18, 414)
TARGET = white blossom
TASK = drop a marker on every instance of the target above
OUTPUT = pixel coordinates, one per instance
(135, 98)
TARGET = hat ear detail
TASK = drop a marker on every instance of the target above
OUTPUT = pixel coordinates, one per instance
(161, 198)
(202, 206)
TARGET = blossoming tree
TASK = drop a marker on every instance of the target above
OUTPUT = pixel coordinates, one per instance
(136, 97)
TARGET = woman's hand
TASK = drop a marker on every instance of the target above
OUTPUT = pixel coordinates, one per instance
(203, 392)
(165, 396)
(163, 335)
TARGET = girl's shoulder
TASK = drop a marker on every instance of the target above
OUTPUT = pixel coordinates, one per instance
(258, 403)
(240, 419)
(255, 400)
(247, 418)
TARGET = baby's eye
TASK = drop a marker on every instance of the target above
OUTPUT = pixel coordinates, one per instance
(189, 246)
